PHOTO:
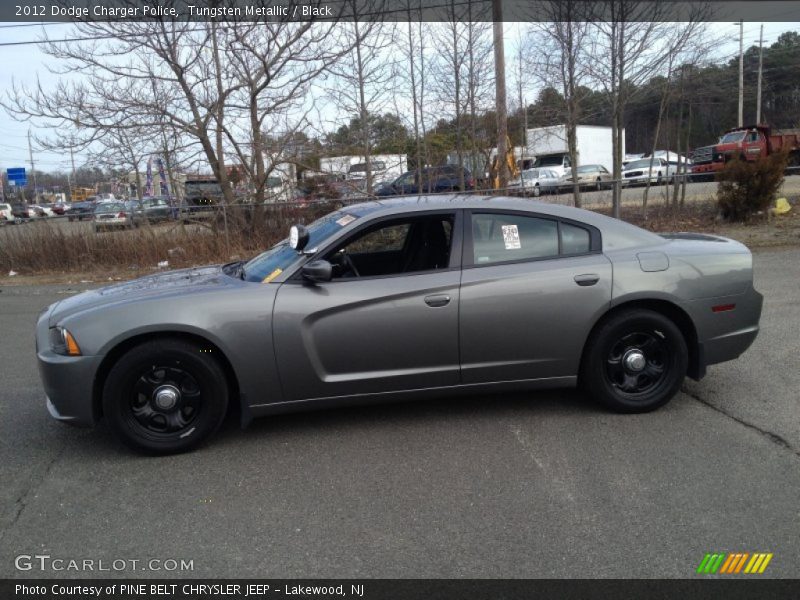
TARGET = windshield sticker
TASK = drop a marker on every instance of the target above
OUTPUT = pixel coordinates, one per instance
(345, 220)
(511, 237)
(272, 276)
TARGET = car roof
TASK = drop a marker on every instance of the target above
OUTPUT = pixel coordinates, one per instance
(616, 233)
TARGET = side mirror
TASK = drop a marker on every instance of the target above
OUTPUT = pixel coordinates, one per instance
(298, 237)
(318, 271)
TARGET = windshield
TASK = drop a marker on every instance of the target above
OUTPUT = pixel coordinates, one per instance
(733, 136)
(109, 207)
(362, 167)
(642, 164)
(550, 161)
(268, 265)
(588, 169)
(530, 174)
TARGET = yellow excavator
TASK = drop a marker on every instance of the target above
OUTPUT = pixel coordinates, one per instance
(513, 170)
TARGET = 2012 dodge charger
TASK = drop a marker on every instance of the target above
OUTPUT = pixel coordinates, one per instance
(402, 299)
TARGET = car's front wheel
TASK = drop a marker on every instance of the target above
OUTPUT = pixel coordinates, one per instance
(635, 361)
(165, 396)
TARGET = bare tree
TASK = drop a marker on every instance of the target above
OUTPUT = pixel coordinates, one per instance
(411, 49)
(364, 76)
(214, 84)
(689, 47)
(562, 60)
(631, 43)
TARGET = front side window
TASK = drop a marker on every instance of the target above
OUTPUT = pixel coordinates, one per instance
(278, 258)
(407, 245)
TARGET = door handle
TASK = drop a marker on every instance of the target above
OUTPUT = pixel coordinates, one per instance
(437, 300)
(587, 279)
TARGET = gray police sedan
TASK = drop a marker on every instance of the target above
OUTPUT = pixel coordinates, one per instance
(402, 299)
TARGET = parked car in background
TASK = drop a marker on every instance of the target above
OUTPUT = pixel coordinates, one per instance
(594, 177)
(350, 190)
(113, 214)
(82, 210)
(6, 214)
(534, 182)
(655, 169)
(21, 211)
(150, 210)
(445, 178)
(61, 208)
(42, 210)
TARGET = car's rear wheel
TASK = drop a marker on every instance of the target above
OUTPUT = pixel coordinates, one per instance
(635, 361)
(165, 396)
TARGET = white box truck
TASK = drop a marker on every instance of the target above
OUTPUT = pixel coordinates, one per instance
(549, 146)
(384, 167)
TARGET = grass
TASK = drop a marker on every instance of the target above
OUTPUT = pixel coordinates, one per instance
(55, 246)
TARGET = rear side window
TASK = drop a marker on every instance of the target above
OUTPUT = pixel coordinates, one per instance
(574, 240)
(500, 238)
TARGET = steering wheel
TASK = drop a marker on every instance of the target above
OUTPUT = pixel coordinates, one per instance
(350, 264)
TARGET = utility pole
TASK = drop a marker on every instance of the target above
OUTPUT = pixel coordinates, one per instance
(760, 65)
(741, 73)
(72, 159)
(500, 93)
(33, 168)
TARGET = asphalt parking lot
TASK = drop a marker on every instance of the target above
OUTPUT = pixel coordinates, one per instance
(529, 485)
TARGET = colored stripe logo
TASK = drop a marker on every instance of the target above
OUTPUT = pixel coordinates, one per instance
(734, 563)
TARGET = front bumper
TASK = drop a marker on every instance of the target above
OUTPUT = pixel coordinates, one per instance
(68, 385)
(68, 380)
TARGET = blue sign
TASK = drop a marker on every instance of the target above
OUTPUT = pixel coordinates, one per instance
(17, 176)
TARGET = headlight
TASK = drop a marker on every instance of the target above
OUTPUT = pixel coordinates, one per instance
(62, 342)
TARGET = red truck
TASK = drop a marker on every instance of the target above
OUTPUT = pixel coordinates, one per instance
(746, 143)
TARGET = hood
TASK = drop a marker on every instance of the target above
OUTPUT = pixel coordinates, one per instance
(183, 282)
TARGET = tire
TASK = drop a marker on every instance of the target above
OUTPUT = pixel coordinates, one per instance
(658, 179)
(183, 374)
(537, 191)
(598, 185)
(609, 369)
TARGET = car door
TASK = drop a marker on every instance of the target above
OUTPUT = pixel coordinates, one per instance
(532, 287)
(392, 328)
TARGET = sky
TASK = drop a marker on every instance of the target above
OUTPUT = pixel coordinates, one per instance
(22, 63)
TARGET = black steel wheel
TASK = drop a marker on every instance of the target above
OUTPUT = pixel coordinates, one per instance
(635, 361)
(165, 396)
